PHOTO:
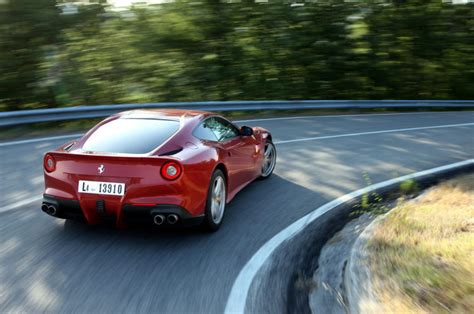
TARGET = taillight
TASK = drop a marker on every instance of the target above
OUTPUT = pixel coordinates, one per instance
(171, 170)
(49, 163)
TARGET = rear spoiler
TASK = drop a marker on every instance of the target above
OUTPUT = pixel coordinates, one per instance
(109, 157)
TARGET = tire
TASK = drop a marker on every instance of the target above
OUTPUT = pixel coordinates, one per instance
(267, 172)
(213, 216)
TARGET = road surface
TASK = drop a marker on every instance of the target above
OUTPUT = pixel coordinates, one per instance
(52, 265)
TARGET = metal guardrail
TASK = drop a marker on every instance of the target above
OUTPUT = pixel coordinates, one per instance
(10, 118)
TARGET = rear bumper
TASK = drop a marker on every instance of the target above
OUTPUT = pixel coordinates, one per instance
(145, 214)
(66, 209)
(130, 214)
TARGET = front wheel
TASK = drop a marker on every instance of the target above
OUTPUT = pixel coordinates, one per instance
(216, 201)
(269, 160)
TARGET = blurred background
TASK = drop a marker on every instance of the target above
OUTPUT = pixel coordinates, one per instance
(67, 53)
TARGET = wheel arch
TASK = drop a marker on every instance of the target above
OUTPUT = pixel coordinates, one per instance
(269, 137)
(223, 168)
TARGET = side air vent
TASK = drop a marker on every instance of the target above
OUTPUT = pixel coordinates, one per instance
(172, 152)
(68, 148)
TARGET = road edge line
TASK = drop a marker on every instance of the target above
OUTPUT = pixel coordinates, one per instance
(18, 204)
(236, 302)
(78, 135)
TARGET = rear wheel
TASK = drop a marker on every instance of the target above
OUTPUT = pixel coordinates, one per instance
(216, 201)
(269, 160)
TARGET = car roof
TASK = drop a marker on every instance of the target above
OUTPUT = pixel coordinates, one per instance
(169, 114)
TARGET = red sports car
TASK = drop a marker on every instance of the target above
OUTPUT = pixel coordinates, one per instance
(156, 166)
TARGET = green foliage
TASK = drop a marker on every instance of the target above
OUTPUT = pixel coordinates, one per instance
(211, 50)
(376, 204)
(28, 31)
(371, 202)
(409, 187)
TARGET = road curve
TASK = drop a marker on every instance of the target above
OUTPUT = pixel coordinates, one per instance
(50, 265)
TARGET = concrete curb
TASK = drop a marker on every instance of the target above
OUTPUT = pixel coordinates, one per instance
(357, 277)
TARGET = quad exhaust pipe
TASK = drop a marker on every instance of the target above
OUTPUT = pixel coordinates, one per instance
(49, 209)
(52, 210)
(172, 219)
(159, 219)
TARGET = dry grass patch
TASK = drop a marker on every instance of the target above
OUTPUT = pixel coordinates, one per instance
(422, 253)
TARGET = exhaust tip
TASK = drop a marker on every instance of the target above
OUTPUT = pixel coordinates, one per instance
(172, 219)
(52, 210)
(159, 219)
(44, 207)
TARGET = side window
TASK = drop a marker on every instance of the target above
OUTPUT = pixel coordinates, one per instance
(223, 129)
(203, 132)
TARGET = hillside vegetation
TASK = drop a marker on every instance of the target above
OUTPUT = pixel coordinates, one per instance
(211, 50)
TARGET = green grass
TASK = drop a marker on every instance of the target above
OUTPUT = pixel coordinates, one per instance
(422, 254)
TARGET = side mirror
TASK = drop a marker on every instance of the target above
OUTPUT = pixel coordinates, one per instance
(246, 131)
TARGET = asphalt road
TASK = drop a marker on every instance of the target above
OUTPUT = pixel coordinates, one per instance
(52, 265)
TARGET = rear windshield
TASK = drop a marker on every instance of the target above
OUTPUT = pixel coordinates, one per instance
(130, 136)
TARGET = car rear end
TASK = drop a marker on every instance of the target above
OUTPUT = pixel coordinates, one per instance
(111, 175)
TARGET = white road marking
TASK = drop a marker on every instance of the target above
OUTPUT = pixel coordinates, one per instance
(351, 115)
(374, 132)
(41, 139)
(64, 137)
(240, 289)
(21, 203)
(25, 202)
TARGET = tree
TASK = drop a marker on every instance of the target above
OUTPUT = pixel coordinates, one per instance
(28, 28)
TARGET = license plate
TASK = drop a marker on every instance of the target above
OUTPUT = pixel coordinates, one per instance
(105, 188)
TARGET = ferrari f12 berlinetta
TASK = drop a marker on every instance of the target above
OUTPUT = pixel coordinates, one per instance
(161, 167)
